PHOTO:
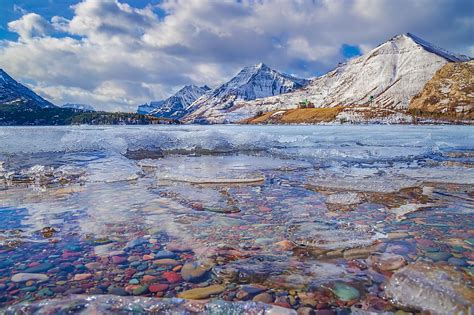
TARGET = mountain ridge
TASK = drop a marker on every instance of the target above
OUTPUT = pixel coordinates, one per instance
(386, 77)
(174, 107)
(250, 83)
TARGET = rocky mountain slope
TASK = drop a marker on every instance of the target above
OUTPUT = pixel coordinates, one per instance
(449, 93)
(14, 93)
(387, 77)
(175, 106)
(250, 83)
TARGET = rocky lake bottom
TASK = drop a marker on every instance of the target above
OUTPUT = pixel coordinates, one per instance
(237, 219)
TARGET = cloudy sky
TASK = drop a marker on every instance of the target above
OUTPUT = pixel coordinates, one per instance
(117, 54)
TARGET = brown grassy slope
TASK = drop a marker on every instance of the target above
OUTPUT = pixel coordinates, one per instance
(449, 94)
(294, 116)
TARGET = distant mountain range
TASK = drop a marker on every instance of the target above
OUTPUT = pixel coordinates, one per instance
(403, 77)
(386, 79)
(174, 107)
(21, 106)
(199, 104)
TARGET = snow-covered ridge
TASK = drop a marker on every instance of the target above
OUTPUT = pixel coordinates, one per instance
(258, 81)
(14, 93)
(175, 106)
(437, 50)
(386, 77)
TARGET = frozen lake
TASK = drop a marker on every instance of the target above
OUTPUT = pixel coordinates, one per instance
(296, 213)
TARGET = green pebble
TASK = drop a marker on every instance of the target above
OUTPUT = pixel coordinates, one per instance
(45, 292)
(140, 290)
(458, 249)
(345, 292)
(432, 249)
(134, 281)
(29, 289)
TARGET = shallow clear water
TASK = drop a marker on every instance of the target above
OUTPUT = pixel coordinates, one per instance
(301, 212)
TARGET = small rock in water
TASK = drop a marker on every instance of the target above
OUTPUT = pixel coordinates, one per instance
(165, 262)
(23, 277)
(162, 254)
(438, 256)
(118, 260)
(140, 290)
(177, 247)
(201, 293)
(344, 198)
(158, 288)
(45, 292)
(40, 268)
(116, 290)
(345, 292)
(136, 242)
(305, 311)
(193, 272)
(82, 276)
(387, 261)
(433, 288)
(264, 298)
(172, 277)
(457, 262)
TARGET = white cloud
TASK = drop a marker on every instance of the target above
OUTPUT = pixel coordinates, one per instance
(30, 25)
(115, 56)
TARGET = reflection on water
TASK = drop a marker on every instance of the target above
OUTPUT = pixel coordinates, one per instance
(318, 217)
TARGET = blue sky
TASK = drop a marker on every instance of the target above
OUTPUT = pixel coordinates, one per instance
(15, 9)
(117, 54)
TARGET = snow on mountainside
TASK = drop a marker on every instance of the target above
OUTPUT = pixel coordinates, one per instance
(14, 93)
(250, 83)
(83, 107)
(175, 106)
(145, 109)
(386, 77)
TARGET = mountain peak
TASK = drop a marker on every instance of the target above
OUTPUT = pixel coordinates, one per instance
(174, 106)
(252, 82)
(15, 93)
(450, 56)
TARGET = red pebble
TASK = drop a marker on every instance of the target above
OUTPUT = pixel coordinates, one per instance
(154, 288)
(172, 277)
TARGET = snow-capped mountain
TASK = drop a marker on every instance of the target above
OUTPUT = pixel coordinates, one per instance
(83, 107)
(386, 77)
(250, 83)
(147, 108)
(14, 93)
(175, 106)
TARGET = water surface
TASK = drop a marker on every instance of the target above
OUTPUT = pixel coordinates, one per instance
(301, 212)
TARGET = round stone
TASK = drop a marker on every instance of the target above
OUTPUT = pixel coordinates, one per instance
(263, 297)
(193, 272)
(345, 292)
